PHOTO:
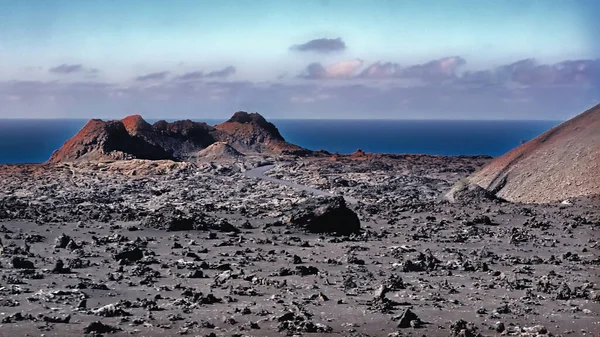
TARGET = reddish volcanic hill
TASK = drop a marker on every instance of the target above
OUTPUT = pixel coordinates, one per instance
(136, 125)
(560, 164)
(250, 131)
(99, 140)
(133, 137)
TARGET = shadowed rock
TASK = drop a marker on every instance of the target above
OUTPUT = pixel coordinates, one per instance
(326, 215)
(408, 319)
(251, 132)
(134, 138)
(99, 328)
(465, 193)
(99, 140)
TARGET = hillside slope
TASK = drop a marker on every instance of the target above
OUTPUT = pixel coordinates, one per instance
(562, 163)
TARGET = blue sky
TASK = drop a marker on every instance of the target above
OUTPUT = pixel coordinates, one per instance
(514, 59)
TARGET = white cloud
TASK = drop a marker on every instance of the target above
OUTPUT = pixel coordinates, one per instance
(344, 68)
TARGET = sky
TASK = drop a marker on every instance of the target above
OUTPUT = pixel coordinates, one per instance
(384, 59)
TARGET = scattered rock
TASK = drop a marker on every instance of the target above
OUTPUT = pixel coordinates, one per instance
(327, 215)
(98, 327)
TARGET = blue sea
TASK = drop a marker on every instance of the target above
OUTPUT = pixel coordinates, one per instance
(32, 141)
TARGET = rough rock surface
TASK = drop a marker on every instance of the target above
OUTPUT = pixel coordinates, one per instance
(216, 248)
(560, 164)
(99, 140)
(163, 248)
(132, 137)
(326, 215)
(251, 132)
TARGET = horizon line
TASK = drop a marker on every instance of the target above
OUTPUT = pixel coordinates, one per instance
(293, 119)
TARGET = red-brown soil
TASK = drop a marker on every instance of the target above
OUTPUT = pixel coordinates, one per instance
(560, 164)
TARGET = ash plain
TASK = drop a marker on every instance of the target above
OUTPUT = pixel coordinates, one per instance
(158, 248)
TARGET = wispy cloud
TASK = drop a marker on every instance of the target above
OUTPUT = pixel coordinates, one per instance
(321, 46)
(159, 76)
(66, 69)
(225, 72)
(196, 75)
(434, 89)
(447, 71)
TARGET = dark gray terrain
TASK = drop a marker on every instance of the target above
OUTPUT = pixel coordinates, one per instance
(157, 248)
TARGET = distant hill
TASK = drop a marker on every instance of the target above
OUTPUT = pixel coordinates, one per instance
(560, 164)
(133, 137)
(251, 132)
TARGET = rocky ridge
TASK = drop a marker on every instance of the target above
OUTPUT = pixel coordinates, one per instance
(254, 132)
(133, 137)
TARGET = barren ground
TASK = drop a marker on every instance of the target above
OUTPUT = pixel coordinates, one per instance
(501, 268)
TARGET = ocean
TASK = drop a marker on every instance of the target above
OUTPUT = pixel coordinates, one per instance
(32, 141)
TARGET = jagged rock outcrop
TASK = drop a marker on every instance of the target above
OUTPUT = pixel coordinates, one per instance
(134, 138)
(560, 164)
(251, 132)
(468, 193)
(137, 126)
(184, 138)
(100, 140)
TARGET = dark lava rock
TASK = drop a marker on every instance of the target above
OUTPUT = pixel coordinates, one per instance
(22, 263)
(62, 241)
(17, 317)
(291, 323)
(327, 215)
(423, 262)
(288, 316)
(130, 254)
(499, 327)
(395, 282)
(59, 268)
(462, 328)
(34, 238)
(56, 319)
(99, 328)
(482, 219)
(195, 274)
(407, 318)
(170, 219)
(224, 226)
(467, 193)
(306, 270)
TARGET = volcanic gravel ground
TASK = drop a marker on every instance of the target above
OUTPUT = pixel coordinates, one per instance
(163, 249)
